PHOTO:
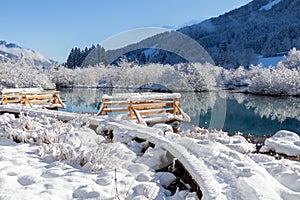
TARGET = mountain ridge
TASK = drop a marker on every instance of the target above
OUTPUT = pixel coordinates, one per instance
(13, 53)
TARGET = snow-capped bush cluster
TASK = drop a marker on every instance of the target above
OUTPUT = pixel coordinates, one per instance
(23, 75)
(181, 77)
(283, 79)
(70, 142)
(275, 81)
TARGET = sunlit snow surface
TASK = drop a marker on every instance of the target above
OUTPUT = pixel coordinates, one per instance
(70, 161)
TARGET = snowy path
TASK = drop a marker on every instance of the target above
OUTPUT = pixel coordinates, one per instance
(221, 173)
(196, 168)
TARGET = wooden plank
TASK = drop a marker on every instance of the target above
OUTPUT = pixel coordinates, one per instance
(43, 96)
(152, 101)
(122, 109)
(155, 111)
(139, 118)
(12, 95)
(39, 101)
(151, 105)
(110, 103)
(175, 106)
(131, 111)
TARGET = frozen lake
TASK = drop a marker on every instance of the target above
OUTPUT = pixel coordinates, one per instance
(231, 112)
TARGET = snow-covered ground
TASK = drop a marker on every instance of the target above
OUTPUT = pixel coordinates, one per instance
(57, 160)
(268, 61)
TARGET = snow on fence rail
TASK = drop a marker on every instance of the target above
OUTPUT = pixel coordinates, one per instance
(146, 108)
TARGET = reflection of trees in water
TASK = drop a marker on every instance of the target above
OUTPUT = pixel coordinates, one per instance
(275, 108)
(197, 103)
(88, 97)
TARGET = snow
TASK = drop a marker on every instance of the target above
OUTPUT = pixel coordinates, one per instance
(268, 61)
(270, 5)
(68, 160)
(284, 142)
(151, 96)
(21, 90)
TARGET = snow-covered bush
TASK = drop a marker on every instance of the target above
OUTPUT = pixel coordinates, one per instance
(203, 77)
(22, 75)
(182, 77)
(70, 142)
(233, 78)
(275, 81)
(292, 61)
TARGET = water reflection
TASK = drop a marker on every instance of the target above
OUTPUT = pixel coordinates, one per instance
(275, 108)
(257, 115)
(82, 99)
(250, 114)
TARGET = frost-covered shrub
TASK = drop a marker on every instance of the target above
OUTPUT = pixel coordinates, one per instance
(292, 61)
(275, 81)
(203, 77)
(236, 77)
(61, 76)
(22, 75)
(70, 142)
(200, 77)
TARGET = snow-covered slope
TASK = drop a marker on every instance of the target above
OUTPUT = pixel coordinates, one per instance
(269, 5)
(13, 53)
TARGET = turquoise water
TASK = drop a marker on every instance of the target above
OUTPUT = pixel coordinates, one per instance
(231, 112)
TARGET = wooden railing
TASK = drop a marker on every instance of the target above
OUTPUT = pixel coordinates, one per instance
(146, 108)
(31, 97)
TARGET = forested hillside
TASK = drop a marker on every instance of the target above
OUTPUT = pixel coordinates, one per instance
(262, 27)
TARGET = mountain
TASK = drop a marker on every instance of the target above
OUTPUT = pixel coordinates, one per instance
(12, 53)
(264, 27)
(261, 28)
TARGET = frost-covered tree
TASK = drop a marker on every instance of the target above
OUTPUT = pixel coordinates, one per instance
(23, 75)
(275, 81)
(292, 61)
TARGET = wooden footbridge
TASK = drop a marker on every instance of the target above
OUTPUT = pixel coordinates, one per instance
(32, 97)
(145, 108)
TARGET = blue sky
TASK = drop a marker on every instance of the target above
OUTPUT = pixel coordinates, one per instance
(53, 27)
